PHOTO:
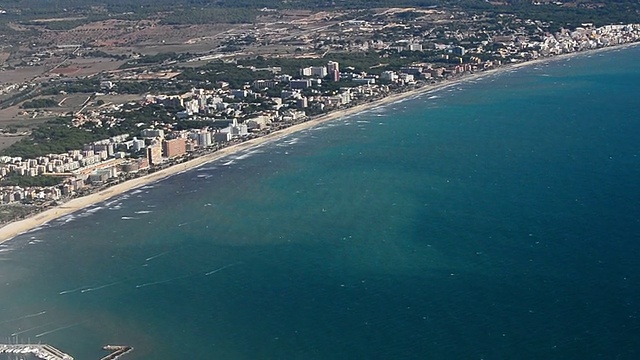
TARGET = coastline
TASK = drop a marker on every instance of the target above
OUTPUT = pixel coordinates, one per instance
(11, 230)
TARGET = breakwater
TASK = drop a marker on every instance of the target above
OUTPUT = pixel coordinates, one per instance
(46, 352)
(117, 351)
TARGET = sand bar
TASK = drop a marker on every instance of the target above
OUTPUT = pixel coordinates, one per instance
(10, 230)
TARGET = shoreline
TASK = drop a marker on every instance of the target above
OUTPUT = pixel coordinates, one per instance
(15, 228)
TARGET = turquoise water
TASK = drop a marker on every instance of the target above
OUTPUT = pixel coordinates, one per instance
(495, 219)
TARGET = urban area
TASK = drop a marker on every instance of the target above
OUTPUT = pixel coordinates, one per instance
(154, 110)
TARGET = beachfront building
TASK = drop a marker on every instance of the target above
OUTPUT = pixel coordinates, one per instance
(154, 154)
(258, 122)
(202, 137)
(222, 136)
(174, 148)
(101, 176)
(389, 76)
(135, 165)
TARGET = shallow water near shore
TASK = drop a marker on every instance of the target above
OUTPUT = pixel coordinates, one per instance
(498, 218)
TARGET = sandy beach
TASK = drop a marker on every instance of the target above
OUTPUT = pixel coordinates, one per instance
(10, 230)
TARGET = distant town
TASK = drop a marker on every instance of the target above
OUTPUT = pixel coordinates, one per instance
(156, 110)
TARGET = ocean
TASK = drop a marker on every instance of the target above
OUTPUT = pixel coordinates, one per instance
(494, 219)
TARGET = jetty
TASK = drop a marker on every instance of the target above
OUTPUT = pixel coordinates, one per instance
(117, 351)
(45, 352)
(48, 352)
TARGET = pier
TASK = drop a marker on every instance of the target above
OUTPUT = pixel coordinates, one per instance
(117, 351)
(45, 352)
(48, 352)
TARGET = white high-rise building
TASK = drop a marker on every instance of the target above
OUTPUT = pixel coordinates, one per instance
(204, 139)
(333, 66)
(389, 75)
(319, 71)
(334, 70)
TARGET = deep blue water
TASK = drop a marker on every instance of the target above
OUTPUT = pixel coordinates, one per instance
(495, 219)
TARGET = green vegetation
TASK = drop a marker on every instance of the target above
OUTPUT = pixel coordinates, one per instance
(211, 16)
(55, 136)
(59, 136)
(589, 11)
(102, 54)
(28, 181)
(62, 24)
(153, 59)
(371, 62)
(221, 71)
(181, 12)
(12, 212)
(77, 86)
(39, 103)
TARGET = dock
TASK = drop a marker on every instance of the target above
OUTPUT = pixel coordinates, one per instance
(117, 351)
(44, 352)
(48, 352)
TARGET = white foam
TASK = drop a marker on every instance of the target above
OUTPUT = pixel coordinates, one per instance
(242, 157)
(95, 209)
(109, 203)
(67, 218)
(207, 168)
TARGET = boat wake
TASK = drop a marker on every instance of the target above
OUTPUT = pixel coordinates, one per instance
(162, 281)
(31, 329)
(102, 286)
(71, 290)
(59, 329)
(220, 269)
(156, 256)
(24, 317)
(186, 276)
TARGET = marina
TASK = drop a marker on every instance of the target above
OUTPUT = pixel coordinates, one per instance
(48, 352)
(45, 352)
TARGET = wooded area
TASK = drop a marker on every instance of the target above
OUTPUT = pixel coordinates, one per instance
(243, 11)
